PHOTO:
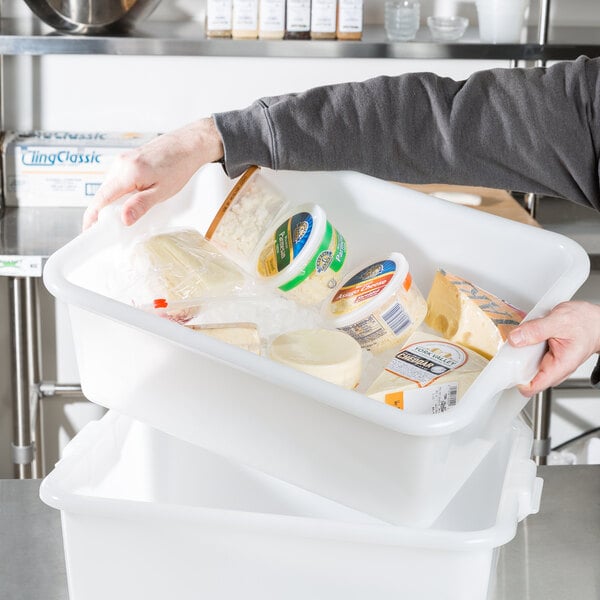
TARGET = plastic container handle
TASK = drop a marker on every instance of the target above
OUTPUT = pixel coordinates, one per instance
(522, 364)
(528, 488)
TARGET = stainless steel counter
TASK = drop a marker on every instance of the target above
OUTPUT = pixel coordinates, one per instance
(555, 555)
(32, 564)
(29, 235)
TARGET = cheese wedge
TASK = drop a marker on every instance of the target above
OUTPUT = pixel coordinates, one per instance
(428, 375)
(325, 353)
(242, 335)
(464, 313)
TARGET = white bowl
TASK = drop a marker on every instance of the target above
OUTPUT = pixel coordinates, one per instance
(447, 29)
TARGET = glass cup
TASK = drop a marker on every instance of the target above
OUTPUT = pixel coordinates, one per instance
(402, 20)
(501, 21)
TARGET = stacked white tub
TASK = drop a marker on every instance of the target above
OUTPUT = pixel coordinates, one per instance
(336, 444)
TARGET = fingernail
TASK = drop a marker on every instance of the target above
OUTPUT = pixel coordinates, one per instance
(131, 216)
(516, 337)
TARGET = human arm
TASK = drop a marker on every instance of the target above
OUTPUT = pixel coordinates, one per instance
(157, 170)
(572, 332)
(532, 130)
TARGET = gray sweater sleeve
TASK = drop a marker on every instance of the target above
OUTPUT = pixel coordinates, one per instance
(528, 130)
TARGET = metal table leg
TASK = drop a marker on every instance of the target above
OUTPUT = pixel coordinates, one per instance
(542, 410)
(34, 373)
(27, 386)
(542, 402)
(22, 446)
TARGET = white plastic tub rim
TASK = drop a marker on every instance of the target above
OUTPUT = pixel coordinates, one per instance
(70, 489)
(510, 367)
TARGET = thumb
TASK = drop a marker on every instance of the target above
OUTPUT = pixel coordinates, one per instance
(138, 204)
(533, 332)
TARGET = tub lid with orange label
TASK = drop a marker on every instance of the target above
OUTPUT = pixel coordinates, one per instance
(369, 287)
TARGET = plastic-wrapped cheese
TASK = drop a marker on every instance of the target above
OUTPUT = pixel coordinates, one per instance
(464, 313)
(242, 335)
(328, 354)
(181, 267)
(428, 375)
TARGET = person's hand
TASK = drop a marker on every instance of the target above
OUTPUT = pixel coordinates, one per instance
(156, 171)
(572, 332)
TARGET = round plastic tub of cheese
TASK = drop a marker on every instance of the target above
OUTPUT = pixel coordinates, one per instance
(303, 255)
(378, 304)
(325, 353)
(247, 213)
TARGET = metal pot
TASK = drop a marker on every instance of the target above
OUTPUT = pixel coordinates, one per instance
(92, 16)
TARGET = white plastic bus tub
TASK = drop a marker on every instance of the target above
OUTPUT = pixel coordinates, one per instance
(146, 516)
(402, 468)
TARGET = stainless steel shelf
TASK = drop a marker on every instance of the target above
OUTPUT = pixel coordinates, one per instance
(188, 39)
(30, 235)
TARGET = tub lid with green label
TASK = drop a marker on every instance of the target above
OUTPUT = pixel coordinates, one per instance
(287, 252)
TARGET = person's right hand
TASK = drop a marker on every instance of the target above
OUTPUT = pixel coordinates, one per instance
(156, 171)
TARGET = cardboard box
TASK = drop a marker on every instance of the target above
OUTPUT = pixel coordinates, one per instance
(60, 168)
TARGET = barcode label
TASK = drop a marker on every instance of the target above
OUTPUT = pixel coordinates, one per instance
(434, 399)
(452, 392)
(396, 319)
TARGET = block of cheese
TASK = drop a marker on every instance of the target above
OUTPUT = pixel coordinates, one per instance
(180, 265)
(428, 375)
(325, 353)
(464, 313)
(243, 335)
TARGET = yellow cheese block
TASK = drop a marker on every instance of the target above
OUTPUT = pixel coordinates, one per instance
(464, 313)
(428, 375)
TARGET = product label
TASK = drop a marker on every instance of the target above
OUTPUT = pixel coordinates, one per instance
(434, 399)
(20, 266)
(323, 16)
(290, 239)
(219, 15)
(504, 316)
(350, 16)
(245, 15)
(424, 362)
(368, 331)
(330, 256)
(365, 285)
(61, 168)
(272, 15)
(298, 15)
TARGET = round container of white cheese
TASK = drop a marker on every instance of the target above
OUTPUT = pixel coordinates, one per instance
(248, 212)
(325, 353)
(378, 304)
(303, 256)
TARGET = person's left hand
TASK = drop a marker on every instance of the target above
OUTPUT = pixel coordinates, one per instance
(572, 332)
